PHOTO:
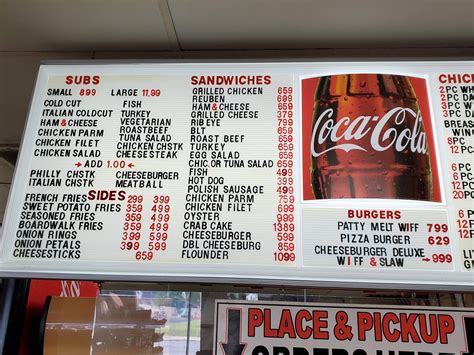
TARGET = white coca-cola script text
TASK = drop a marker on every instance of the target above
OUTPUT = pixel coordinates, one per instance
(383, 132)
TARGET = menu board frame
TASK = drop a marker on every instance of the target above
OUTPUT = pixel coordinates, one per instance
(300, 275)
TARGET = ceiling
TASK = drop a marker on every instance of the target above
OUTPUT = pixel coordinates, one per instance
(190, 25)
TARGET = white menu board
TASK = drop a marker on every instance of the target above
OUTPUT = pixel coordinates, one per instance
(288, 173)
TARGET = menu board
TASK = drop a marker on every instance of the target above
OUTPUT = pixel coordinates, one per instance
(291, 173)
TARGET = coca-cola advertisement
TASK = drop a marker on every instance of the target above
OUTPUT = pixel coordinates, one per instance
(368, 136)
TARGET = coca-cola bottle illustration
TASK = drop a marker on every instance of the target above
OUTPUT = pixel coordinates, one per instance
(368, 139)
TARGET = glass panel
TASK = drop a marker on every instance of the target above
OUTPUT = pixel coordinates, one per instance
(147, 323)
(179, 319)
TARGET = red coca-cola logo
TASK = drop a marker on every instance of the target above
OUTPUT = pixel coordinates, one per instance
(383, 134)
(368, 136)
